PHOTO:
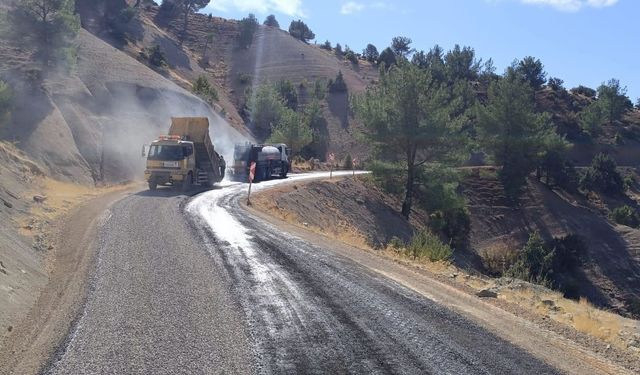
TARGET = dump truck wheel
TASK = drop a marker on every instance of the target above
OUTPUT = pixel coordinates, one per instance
(153, 184)
(186, 183)
(284, 172)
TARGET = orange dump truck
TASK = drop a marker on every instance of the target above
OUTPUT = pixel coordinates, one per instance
(185, 157)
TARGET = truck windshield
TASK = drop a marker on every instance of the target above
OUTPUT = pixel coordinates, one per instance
(164, 152)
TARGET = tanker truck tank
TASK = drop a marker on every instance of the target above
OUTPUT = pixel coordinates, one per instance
(269, 153)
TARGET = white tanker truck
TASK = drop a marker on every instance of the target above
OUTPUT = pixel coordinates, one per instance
(271, 160)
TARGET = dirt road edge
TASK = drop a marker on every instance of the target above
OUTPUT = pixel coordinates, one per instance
(42, 331)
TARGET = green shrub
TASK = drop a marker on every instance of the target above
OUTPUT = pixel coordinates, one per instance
(560, 171)
(556, 84)
(425, 244)
(326, 45)
(629, 182)
(338, 51)
(388, 176)
(244, 79)
(348, 162)
(288, 93)
(438, 195)
(612, 96)
(154, 56)
(319, 89)
(396, 243)
(591, 119)
(203, 88)
(603, 176)
(6, 101)
(339, 84)
(534, 262)
(350, 55)
(271, 21)
(585, 91)
(568, 252)
(625, 215)
(301, 31)
(553, 265)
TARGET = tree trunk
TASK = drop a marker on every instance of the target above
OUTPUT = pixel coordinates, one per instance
(408, 198)
(186, 23)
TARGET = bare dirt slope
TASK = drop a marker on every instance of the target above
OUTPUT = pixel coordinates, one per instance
(342, 207)
(610, 273)
(22, 273)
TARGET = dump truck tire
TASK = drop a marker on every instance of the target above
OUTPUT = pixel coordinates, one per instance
(186, 183)
(153, 184)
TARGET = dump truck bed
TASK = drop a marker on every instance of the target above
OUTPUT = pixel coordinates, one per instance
(196, 130)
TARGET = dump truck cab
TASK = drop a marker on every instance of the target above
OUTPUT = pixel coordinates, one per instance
(185, 157)
(169, 161)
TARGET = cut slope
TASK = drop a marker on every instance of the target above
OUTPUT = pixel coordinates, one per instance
(344, 208)
(89, 127)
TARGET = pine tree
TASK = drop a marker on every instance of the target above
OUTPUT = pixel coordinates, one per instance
(512, 132)
(300, 30)
(409, 119)
(47, 26)
(271, 21)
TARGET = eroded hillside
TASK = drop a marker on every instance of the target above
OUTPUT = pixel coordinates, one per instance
(89, 126)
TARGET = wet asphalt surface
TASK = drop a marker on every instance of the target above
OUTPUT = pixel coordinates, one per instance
(198, 286)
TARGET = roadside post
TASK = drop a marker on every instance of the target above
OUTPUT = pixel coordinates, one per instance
(332, 158)
(252, 174)
(353, 166)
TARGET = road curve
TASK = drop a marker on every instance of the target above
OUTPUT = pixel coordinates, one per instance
(199, 286)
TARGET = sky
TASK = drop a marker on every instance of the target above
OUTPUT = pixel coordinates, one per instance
(583, 42)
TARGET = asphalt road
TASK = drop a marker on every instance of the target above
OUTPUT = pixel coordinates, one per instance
(199, 286)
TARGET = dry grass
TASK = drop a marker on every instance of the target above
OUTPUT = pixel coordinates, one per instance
(498, 257)
(301, 165)
(580, 315)
(63, 196)
(9, 152)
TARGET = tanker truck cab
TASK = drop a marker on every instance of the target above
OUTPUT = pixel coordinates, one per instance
(284, 166)
(169, 161)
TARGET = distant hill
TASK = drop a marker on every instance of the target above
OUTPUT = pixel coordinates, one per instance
(274, 55)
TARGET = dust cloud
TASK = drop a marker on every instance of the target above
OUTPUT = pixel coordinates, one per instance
(134, 116)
